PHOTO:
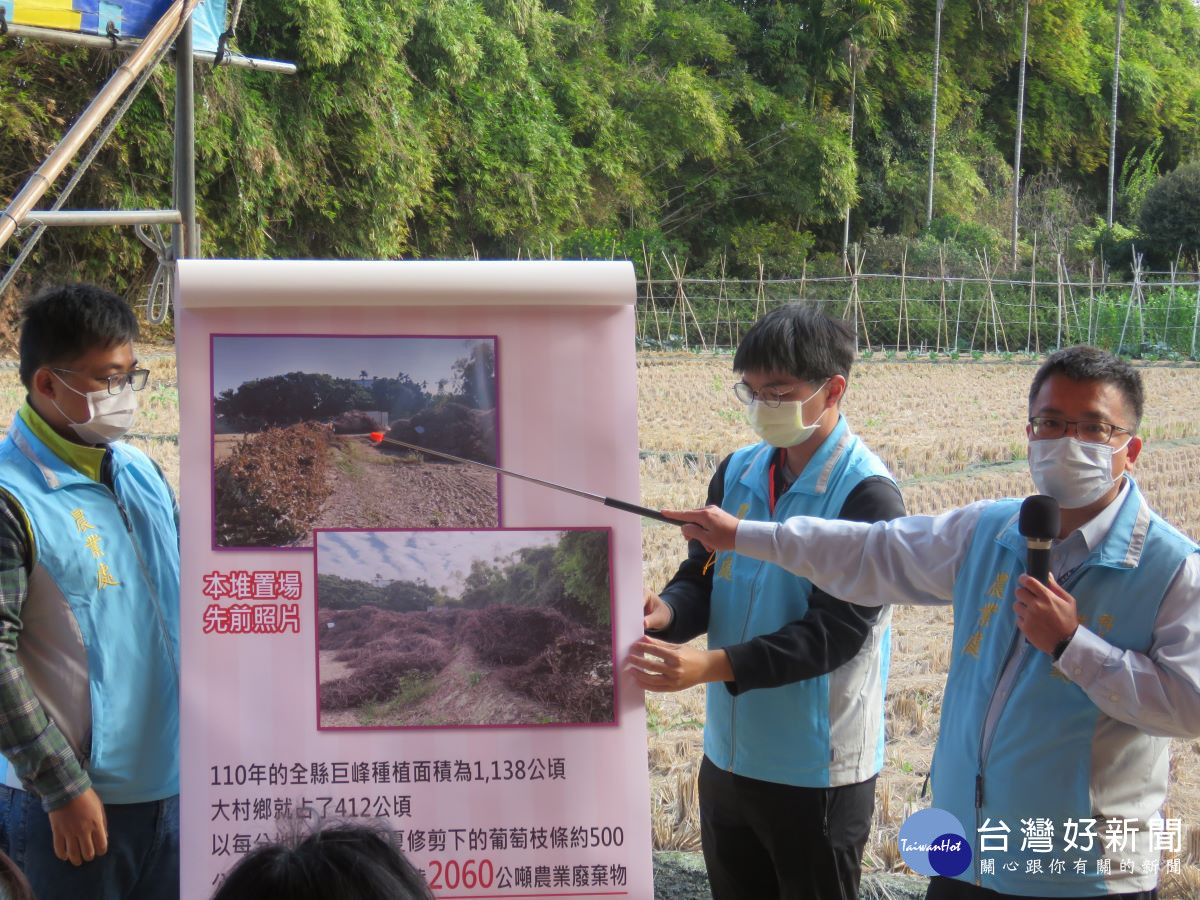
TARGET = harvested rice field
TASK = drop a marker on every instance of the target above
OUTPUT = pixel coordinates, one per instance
(952, 433)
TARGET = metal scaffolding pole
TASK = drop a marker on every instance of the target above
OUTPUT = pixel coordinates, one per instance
(91, 218)
(186, 241)
(125, 45)
(91, 118)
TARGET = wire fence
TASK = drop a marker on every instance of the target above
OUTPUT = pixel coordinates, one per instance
(1149, 315)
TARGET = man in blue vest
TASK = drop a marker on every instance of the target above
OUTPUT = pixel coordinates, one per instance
(793, 735)
(1052, 748)
(89, 616)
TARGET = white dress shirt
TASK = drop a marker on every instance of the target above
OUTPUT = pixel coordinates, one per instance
(916, 559)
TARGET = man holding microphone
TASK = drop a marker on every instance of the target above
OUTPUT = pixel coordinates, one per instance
(1060, 695)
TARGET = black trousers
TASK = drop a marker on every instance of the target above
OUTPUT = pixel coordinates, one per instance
(764, 840)
(949, 889)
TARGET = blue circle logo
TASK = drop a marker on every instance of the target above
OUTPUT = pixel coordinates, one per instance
(933, 842)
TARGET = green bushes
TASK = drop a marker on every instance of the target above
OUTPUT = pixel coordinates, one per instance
(1170, 215)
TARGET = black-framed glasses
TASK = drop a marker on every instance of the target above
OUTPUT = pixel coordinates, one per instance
(768, 396)
(1052, 427)
(137, 379)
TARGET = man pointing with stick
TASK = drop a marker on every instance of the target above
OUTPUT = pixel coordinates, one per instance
(1060, 695)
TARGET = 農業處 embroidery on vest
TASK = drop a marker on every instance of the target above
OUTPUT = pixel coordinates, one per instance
(91, 542)
(985, 615)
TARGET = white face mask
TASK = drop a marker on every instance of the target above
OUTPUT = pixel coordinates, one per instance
(782, 425)
(1075, 473)
(112, 414)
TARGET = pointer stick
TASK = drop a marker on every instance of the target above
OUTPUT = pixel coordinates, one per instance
(378, 438)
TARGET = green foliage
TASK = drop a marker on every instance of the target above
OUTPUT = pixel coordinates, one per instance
(343, 593)
(311, 397)
(409, 596)
(288, 399)
(582, 560)
(473, 377)
(399, 396)
(780, 249)
(398, 596)
(708, 131)
(968, 236)
(1139, 172)
(571, 577)
(1170, 216)
(1113, 245)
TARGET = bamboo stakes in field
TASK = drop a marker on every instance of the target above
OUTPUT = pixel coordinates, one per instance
(860, 256)
(760, 296)
(1135, 298)
(1166, 338)
(650, 298)
(1093, 313)
(1068, 287)
(1032, 332)
(683, 304)
(1196, 314)
(900, 320)
(958, 315)
(1061, 305)
(942, 320)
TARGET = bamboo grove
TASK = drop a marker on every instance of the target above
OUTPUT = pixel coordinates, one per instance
(713, 132)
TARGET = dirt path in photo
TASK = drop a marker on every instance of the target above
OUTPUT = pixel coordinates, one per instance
(379, 489)
(331, 670)
(468, 692)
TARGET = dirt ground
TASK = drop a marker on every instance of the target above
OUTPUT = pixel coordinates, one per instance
(374, 488)
(467, 693)
(381, 489)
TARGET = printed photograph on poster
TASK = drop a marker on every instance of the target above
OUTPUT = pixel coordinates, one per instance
(464, 628)
(296, 422)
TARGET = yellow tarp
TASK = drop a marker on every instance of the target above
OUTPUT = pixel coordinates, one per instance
(46, 14)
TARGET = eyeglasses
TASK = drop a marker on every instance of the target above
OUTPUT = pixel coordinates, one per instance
(768, 396)
(135, 378)
(1051, 427)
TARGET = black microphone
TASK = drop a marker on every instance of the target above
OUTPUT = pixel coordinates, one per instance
(1038, 524)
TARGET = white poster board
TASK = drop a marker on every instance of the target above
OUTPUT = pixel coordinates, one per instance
(471, 700)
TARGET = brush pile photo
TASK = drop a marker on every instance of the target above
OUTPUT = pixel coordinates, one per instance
(269, 490)
(525, 665)
(514, 636)
(292, 449)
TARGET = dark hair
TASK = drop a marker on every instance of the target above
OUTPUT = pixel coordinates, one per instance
(13, 883)
(799, 340)
(61, 324)
(1085, 363)
(335, 862)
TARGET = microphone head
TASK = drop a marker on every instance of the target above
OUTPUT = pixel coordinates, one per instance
(1039, 518)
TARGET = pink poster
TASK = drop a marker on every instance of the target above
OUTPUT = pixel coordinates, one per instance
(376, 633)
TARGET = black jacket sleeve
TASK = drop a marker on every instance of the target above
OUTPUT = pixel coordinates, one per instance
(689, 592)
(832, 631)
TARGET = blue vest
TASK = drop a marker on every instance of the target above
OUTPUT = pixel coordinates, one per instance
(1051, 754)
(822, 731)
(100, 643)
